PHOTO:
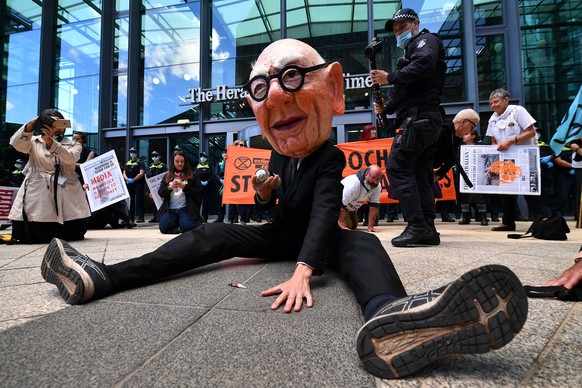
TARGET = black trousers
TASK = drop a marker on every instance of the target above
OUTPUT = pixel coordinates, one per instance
(359, 256)
(43, 232)
(411, 173)
(136, 197)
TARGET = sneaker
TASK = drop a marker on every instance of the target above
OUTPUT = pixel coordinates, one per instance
(481, 311)
(78, 278)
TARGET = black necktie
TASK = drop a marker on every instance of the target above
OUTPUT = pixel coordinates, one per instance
(290, 167)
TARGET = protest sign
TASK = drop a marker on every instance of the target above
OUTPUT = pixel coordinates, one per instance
(362, 154)
(154, 184)
(515, 171)
(105, 180)
(7, 195)
(241, 164)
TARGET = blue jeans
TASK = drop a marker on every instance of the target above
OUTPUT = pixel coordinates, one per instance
(177, 219)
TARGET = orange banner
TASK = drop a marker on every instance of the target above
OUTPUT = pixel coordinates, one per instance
(241, 164)
(361, 154)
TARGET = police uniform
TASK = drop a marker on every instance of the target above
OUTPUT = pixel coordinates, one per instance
(136, 190)
(155, 169)
(418, 85)
(206, 174)
(18, 174)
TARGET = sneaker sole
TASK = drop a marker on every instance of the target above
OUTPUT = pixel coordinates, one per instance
(481, 311)
(73, 283)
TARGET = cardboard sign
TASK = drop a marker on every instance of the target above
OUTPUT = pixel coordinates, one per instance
(7, 195)
(241, 165)
(105, 180)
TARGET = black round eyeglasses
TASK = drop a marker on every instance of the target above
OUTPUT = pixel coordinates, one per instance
(291, 78)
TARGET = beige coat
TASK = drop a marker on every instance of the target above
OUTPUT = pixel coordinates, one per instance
(39, 182)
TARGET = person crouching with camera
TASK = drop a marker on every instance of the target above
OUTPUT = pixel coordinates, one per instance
(181, 190)
(50, 202)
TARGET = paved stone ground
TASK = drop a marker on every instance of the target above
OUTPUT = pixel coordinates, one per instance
(194, 330)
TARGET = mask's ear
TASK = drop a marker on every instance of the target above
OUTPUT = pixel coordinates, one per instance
(336, 84)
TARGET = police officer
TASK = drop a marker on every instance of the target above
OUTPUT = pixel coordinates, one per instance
(18, 174)
(134, 173)
(157, 167)
(418, 84)
(209, 192)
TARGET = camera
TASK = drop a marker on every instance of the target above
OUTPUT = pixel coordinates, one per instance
(373, 48)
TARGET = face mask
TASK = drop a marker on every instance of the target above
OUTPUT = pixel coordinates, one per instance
(133, 155)
(403, 39)
(59, 136)
(223, 156)
(155, 158)
(18, 166)
(203, 159)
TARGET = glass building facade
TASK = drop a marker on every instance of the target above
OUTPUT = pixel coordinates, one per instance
(156, 74)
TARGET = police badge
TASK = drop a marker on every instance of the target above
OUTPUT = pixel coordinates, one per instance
(421, 43)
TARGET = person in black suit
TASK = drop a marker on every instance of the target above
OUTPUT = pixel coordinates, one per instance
(294, 94)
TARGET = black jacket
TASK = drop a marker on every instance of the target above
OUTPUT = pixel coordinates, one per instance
(193, 191)
(420, 80)
(309, 208)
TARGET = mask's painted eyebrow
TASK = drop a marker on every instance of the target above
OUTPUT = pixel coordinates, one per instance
(277, 64)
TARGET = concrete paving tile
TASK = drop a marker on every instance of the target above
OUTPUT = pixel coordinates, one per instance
(331, 294)
(15, 277)
(236, 348)
(93, 345)
(202, 287)
(31, 300)
(559, 364)
(28, 261)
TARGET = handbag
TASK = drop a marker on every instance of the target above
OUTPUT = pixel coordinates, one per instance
(553, 227)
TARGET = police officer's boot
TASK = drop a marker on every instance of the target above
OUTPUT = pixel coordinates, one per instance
(481, 209)
(433, 239)
(416, 232)
(465, 208)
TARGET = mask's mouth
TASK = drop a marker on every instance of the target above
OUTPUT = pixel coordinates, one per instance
(285, 125)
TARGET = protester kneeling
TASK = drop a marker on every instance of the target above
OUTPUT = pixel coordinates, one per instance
(181, 190)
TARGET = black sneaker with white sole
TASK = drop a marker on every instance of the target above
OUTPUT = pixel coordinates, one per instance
(78, 278)
(481, 311)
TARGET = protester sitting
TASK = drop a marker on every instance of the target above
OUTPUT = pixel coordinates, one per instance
(51, 202)
(181, 190)
(295, 94)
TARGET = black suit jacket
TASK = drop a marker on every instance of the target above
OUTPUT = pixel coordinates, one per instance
(309, 208)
